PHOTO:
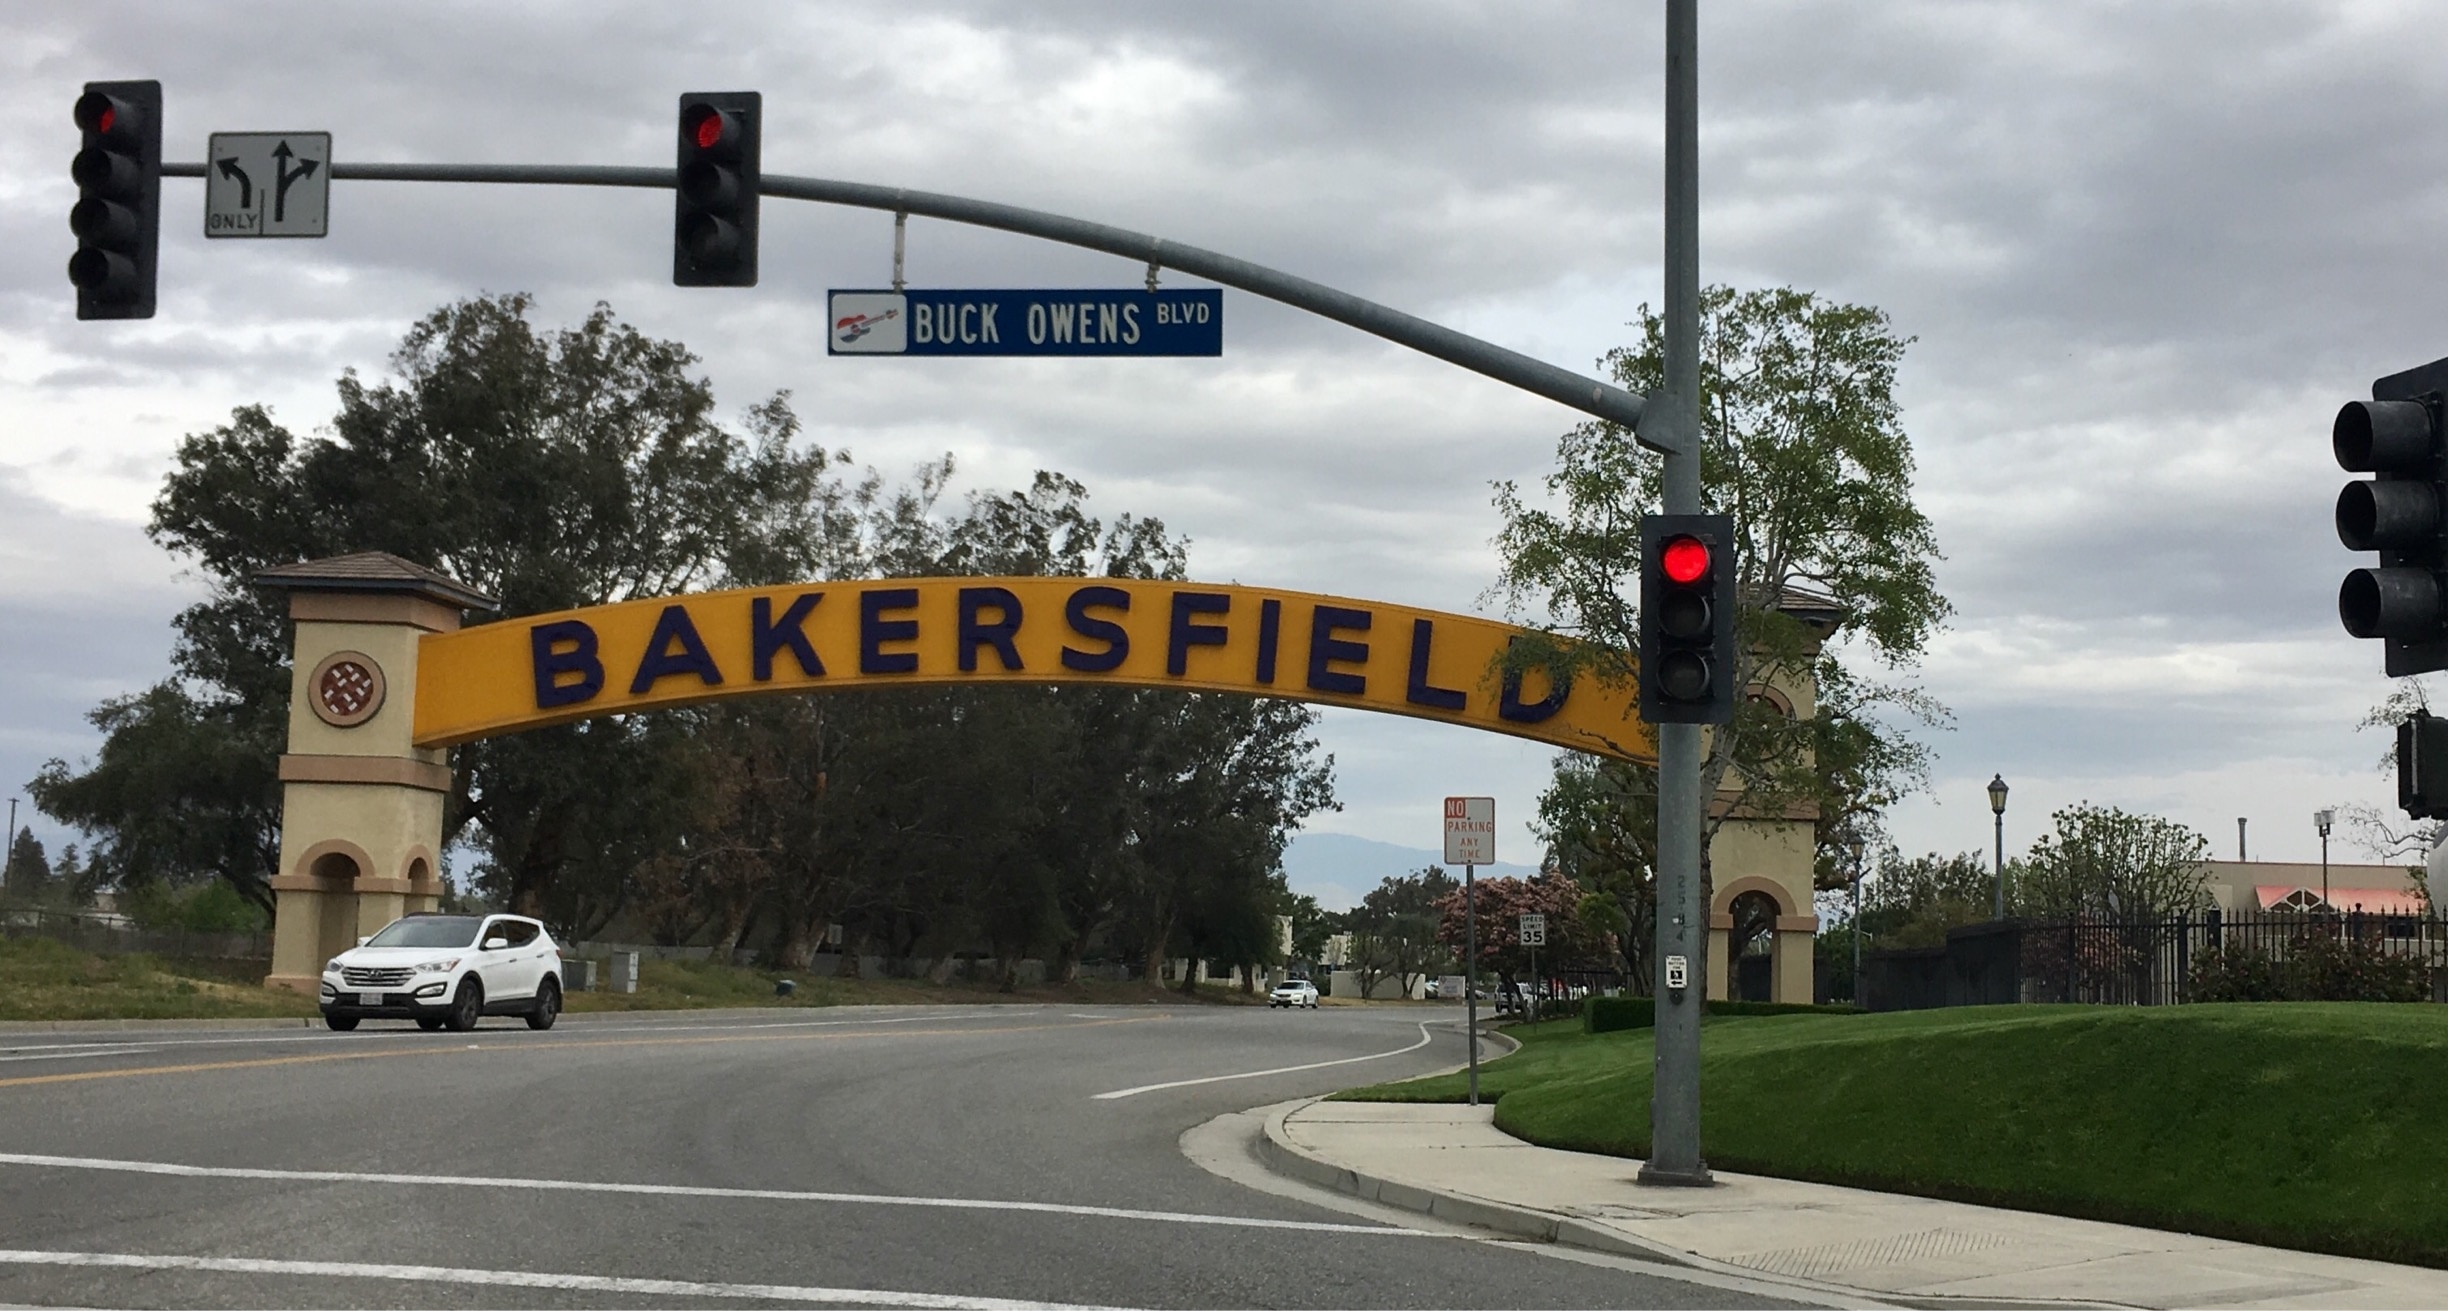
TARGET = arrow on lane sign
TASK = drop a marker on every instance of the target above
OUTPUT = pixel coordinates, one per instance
(283, 178)
(246, 185)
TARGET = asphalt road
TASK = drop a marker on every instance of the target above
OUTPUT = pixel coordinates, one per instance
(865, 1156)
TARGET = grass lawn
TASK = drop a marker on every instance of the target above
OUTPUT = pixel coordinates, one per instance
(2313, 1125)
(45, 980)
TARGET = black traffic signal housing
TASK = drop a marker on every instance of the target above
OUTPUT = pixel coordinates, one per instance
(2422, 766)
(117, 219)
(714, 219)
(2402, 513)
(1687, 619)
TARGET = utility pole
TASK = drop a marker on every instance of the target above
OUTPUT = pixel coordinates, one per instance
(1674, 1099)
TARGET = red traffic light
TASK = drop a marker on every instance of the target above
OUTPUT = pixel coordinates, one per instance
(1684, 559)
(98, 112)
(117, 218)
(705, 126)
(714, 199)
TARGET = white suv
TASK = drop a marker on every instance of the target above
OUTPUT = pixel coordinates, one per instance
(446, 970)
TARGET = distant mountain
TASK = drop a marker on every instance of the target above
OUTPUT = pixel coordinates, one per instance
(1339, 869)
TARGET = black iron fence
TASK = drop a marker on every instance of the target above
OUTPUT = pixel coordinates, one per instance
(2168, 960)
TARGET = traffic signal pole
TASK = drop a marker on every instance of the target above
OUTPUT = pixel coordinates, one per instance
(1588, 395)
(1674, 427)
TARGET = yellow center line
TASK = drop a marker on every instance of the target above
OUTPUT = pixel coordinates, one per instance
(199, 1067)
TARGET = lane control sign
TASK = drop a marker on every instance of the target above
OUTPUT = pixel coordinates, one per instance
(267, 184)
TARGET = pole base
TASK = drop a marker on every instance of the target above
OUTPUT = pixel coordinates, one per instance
(1655, 1176)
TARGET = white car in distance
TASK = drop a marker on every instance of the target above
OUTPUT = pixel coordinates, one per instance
(1294, 992)
(446, 971)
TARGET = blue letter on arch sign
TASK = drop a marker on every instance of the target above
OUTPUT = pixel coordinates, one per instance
(674, 627)
(550, 664)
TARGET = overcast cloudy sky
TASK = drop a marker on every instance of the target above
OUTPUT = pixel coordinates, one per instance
(2146, 251)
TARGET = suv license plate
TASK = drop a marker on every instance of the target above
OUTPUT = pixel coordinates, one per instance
(369, 999)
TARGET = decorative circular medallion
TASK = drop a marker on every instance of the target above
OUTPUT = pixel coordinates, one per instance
(346, 689)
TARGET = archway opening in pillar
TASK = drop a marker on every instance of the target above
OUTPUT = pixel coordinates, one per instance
(1754, 947)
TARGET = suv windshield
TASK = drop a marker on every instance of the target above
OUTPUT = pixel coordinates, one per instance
(428, 931)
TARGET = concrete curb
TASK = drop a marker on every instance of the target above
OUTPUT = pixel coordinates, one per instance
(1283, 1157)
(1277, 1152)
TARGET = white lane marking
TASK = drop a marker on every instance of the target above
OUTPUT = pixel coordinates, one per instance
(431, 1274)
(82, 1053)
(62, 1051)
(1260, 1074)
(689, 1190)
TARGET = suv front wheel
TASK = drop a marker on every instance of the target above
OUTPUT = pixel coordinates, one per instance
(467, 1006)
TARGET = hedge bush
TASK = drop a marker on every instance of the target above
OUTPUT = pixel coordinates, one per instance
(2316, 966)
(1608, 1014)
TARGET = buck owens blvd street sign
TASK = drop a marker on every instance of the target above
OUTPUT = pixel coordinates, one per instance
(1110, 322)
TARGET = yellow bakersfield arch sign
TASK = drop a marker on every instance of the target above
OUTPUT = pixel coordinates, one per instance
(632, 656)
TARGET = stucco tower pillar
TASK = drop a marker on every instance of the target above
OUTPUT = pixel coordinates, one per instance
(361, 813)
(1771, 851)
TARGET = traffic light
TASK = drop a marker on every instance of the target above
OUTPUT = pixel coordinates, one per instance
(1687, 619)
(2422, 766)
(714, 222)
(2396, 437)
(117, 219)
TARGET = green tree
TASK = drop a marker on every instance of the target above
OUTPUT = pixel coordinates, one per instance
(1501, 902)
(185, 788)
(1018, 820)
(1599, 820)
(585, 465)
(71, 879)
(1398, 921)
(1803, 445)
(2103, 862)
(2392, 837)
(1311, 924)
(550, 468)
(1913, 902)
(29, 878)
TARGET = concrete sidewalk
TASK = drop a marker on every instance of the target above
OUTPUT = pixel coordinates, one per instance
(1452, 1162)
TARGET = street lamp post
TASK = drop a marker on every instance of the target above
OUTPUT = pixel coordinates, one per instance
(1997, 808)
(1856, 845)
(2322, 819)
